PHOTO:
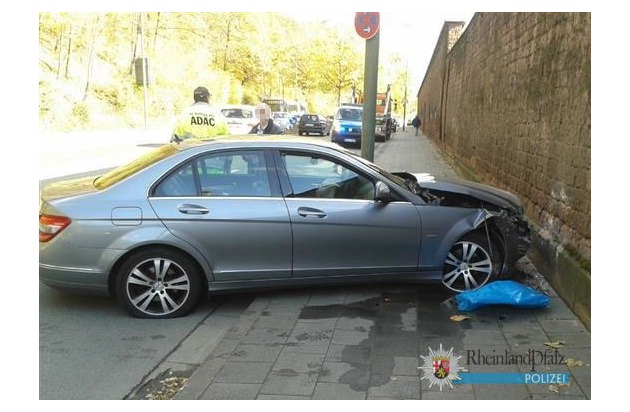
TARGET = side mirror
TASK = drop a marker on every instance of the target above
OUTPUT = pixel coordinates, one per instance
(383, 193)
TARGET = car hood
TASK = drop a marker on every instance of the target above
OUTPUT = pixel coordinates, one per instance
(68, 188)
(456, 190)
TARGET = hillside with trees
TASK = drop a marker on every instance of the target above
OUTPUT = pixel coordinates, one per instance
(88, 64)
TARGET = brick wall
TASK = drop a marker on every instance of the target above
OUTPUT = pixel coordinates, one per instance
(432, 85)
(512, 101)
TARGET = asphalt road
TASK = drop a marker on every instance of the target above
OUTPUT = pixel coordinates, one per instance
(91, 349)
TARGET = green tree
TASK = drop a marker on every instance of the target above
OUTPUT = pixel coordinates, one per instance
(87, 63)
(343, 65)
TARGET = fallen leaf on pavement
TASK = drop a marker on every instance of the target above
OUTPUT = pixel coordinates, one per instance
(572, 363)
(556, 345)
(459, 318)
(556, 388)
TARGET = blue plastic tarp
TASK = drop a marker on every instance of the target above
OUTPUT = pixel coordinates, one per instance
(502, 292)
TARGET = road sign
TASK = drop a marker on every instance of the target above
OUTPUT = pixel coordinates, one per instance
(367, 24)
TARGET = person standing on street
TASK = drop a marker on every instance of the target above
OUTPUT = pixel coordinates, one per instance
(416, 123)
(200, 121)
(265, 123)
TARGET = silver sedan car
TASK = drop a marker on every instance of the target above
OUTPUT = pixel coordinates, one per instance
(186, 219)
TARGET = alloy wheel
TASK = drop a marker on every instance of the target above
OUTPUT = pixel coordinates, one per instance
(468, 266)
(157, 287)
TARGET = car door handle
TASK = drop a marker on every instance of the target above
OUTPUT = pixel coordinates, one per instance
(310, 212)
(192, 209)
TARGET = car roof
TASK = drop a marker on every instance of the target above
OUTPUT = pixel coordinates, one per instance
(244, 141)
(237, 106)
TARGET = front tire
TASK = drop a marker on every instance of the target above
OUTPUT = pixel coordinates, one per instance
(158, 283)
(471, 263)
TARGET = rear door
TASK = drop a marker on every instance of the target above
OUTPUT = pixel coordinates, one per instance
(228, 205)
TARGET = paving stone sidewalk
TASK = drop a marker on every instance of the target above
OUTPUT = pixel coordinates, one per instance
(368, 342)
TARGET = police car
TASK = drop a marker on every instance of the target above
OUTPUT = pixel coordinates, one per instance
(346, 127)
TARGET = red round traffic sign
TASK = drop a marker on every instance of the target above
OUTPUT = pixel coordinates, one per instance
(367, 24)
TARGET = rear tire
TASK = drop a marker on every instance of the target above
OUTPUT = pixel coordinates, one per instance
(470, 263)
(158, 283)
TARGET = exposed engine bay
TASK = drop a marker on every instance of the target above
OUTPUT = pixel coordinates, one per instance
(499, 209)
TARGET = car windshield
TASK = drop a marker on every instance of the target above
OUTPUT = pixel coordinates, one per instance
(410, 186)
(122, 172)
(349, 114)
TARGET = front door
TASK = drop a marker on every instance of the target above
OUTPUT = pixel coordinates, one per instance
(338, 227)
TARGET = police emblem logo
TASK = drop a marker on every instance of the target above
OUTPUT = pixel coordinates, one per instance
(441, 367)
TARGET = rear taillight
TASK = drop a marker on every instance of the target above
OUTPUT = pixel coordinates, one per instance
(50, 226)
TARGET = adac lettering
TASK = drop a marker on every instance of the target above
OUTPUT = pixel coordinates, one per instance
(202, 120)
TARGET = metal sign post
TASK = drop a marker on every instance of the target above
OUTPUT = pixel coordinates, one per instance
(367, 25)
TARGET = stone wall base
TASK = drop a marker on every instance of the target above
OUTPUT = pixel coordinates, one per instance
(569, 279)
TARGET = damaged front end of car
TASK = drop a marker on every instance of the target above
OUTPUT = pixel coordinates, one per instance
(501, 214)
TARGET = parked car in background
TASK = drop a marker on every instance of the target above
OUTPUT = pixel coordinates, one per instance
(240, 118)
(282, 120)
(250, 212)
(313, 124)
(347, 124)
(382, 132)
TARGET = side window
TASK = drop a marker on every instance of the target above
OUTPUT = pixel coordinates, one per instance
(179, 183)
(242, 173)
(239, 174)
(318, 177)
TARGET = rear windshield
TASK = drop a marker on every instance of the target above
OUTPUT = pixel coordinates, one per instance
(122, 172)
(238, 113)
(309, 118)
